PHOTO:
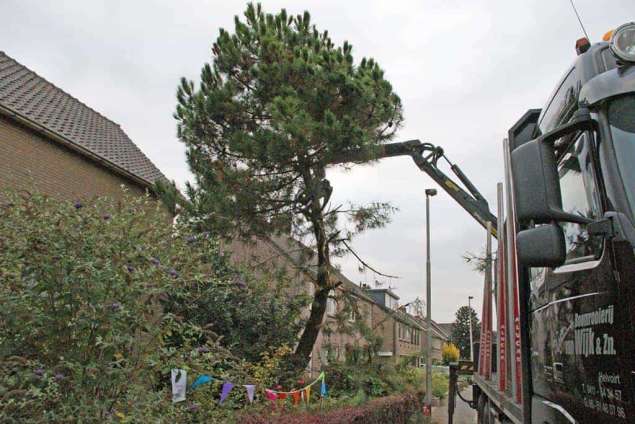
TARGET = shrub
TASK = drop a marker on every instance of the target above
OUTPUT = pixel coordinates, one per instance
(440, 385)
(450, 353)
(394, 409)
(100, 299)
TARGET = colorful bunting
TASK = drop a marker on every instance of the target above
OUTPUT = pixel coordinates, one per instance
(202, 379)
(179, 387)
(227, 387)
(323, 389)
(296, 397)
(269, 394)
(251, 389)
(179, 384)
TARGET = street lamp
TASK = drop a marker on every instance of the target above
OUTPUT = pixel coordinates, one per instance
(429, 193)
(471, 339)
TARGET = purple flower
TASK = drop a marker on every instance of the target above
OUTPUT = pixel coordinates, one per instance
(115, 306)
(39, 372)
(203, 349)
(78, 205)
(193, 407)
(59, 376)
(155, 261)
(173, 272)
(190, 239)
(129, 268)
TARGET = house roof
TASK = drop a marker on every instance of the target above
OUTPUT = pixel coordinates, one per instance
(43, 106)
(446, 327)
(387, 291)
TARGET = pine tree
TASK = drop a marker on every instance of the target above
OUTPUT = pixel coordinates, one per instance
(278, 104)
(461, 330)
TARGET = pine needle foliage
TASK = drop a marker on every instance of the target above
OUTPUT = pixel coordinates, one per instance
(278, 103)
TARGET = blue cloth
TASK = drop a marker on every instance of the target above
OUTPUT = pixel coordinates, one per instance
(202, 379)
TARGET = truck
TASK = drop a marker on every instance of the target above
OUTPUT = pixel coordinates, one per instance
(563, 289)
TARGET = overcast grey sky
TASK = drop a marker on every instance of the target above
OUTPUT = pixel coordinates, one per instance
(465, 71)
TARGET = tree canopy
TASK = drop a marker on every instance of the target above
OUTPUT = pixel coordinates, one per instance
(277, 105)
(461, 330)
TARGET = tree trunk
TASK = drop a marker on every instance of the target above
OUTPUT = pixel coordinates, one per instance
(312, 326)
(323, 283)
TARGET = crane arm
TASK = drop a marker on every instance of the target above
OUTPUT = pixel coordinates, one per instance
(426, 157)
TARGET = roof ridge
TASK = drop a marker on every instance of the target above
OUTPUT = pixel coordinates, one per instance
(28, 95)
(58, 88)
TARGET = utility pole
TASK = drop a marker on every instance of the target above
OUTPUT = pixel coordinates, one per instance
(469, 305)
(428, 404)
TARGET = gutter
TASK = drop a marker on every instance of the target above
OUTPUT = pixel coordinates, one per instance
(74, 147)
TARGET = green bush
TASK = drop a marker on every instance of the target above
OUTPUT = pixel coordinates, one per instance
(100, 299)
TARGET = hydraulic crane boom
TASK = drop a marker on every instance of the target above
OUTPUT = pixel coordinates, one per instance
(426, 157)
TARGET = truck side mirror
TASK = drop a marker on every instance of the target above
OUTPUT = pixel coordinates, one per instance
(541, 246)
(535, 173)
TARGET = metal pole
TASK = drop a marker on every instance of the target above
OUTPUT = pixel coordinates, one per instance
(429, 193)
(469, 305)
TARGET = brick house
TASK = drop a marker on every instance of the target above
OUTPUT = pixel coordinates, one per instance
(401, 334)
(336, 339)
(52, 142)
(439, 336)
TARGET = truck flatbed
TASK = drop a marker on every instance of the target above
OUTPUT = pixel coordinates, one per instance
(503, 401)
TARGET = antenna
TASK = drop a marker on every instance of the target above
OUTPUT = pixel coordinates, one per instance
(579, 20)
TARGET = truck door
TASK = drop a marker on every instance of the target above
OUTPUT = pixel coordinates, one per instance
(573, 318)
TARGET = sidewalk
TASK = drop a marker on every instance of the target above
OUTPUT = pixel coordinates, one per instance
(463, 414)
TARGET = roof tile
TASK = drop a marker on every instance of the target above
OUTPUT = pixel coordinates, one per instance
(27, 94)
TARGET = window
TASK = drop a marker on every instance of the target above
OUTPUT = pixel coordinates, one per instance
(621, 111)
(391, 302)
(561, 102)
(579, 197)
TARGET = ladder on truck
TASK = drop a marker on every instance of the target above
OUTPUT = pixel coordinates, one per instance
(499, 373)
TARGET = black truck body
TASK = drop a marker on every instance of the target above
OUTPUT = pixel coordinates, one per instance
(567, 249)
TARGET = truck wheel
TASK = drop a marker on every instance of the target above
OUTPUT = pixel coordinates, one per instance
(488, 415)
(480, 409)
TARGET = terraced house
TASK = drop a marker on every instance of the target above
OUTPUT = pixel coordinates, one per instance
(52, 142)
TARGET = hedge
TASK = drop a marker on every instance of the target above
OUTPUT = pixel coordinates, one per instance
(396, 409)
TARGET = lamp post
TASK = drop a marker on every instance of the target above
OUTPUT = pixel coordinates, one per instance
(469, 305)
(429, 193)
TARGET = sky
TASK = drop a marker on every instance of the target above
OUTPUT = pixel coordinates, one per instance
(466, 71)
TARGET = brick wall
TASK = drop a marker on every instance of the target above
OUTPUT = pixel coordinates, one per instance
(29, 160)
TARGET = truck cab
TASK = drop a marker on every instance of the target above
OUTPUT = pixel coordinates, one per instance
(573, 177)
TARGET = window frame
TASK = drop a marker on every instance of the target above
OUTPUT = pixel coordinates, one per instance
(586, 138)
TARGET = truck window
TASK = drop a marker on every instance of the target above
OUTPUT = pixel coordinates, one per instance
(561, 103)
(579, 196)
(621, 113)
